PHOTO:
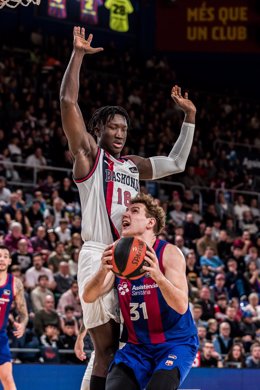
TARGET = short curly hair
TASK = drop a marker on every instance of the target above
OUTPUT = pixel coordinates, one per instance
(153, 210)
(104, 114)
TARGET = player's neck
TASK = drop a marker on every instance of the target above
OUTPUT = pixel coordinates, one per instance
(3, 276)
(148, 238)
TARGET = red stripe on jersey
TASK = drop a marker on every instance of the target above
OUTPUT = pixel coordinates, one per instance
(92, 170)
(126, 313)
(154, 322)
(109, 199)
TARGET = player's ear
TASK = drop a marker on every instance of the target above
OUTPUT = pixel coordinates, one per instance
(97, 132)
(151, 222)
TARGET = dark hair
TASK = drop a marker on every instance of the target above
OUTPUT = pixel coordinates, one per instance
(104, 114)
(68, 308)
(4, 247)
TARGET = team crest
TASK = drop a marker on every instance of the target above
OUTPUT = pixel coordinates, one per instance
(169, 363)
(7, 292)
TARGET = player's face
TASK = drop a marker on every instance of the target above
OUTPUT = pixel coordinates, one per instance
(134, 221)
(113, 135)
(5, 260)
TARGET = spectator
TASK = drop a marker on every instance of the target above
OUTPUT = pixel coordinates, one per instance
(223, 207)
(240, 207)
(177, 215)
(67, 341)
(253, 361)
(5, 193)
(191, 230)
(247, 222)
(218, 289)
(209, 357)
(20, 217)
(73, 263)
(207, 305)
(254, 308)
(223, 342)
(235, 357)
(179, 242)
(39, 243)
(76, 224)
(70, 298)
(68, 315)
(224, 245)
(63, 279)
(212, 329)
(35, 215)
(252, 277)
(248, 327)
(220, 308)
(52, 239)
(75, 243)
(22, 257)
(33, 273)
(57, 257)
(233, 320)
(213, 262)
(196, 314)
(57, 211)
(237, 255)
(36, 159)
(206, 276)
(63, 231)
(206, 241)
(253, 256)
(192, 273)
(11, 239)
(202, 333)
(49, 344)
(46, 316)
(235, 281)
(39, 293)
(66, 191)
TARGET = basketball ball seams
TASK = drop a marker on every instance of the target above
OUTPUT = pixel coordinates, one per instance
(128, 257)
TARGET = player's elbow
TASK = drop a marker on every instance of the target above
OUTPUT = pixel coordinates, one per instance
(88, 297)
(182, 306)
(66, 101)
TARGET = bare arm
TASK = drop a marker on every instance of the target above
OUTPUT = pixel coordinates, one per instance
(173, 284)
(102, 282)
(161, 166)
(81, 144)
(21, 308)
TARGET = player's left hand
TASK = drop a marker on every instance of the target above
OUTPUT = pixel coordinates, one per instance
(182, 101)
(153, 267)
(19, 329)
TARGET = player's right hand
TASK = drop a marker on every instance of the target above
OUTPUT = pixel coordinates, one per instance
(79, 349)
(82, 44)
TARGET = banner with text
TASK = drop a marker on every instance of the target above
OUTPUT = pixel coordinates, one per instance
(212, 25)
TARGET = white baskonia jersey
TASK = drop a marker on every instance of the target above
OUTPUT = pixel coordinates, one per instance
(104, 195)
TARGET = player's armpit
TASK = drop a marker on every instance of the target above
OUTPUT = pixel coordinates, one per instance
(144, 167)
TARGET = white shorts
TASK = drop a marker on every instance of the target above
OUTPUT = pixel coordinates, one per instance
(105, 307)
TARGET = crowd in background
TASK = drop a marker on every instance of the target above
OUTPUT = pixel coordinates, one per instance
(216, 229)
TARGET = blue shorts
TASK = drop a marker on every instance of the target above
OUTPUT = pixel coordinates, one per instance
(145, 359)
(5, 354)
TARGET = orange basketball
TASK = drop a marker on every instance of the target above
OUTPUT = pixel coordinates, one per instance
(128, 257)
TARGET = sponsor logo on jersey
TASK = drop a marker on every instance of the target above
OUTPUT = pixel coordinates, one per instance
(3, 300)
(143, 289)
(123, 288)
(7, 292)
(169, 363)
(133, 169)
(122, 178)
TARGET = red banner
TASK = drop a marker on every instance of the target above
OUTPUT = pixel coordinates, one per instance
(57, 9)
(212, 25)
(89, 11)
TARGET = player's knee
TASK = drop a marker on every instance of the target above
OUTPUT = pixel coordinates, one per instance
(7, 381)
(164, 380)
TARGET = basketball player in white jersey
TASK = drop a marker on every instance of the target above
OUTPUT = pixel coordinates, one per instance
(106, 183)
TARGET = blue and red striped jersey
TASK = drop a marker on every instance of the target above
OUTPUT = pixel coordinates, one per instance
(148, 319)
(6, 299)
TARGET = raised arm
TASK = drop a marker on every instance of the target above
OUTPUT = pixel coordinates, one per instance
(81, 143)
(103, 281)
(160, 166)
(21, 308)
(173, 283)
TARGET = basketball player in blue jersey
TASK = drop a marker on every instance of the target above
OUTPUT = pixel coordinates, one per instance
(106, 183)
(161, 339)
(11, 289)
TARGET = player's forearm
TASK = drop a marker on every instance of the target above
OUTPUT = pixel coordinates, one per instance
(94, 287)
(70, 83)
(175, 162)
(175, 298)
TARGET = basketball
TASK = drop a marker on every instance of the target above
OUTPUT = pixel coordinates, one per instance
(128, 257)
